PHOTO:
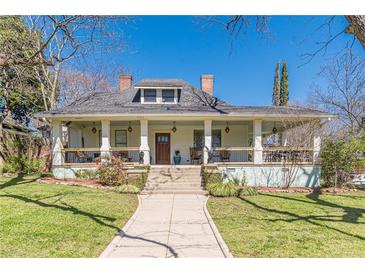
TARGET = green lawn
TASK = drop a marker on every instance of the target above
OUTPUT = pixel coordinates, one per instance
(44, 220)
(292, 225)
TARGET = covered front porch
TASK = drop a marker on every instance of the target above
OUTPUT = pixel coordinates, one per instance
(88, 142)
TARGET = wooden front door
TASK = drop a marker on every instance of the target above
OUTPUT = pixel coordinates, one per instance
(163, 148)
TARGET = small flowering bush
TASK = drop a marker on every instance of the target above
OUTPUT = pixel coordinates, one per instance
(131, 189)
(112, 173)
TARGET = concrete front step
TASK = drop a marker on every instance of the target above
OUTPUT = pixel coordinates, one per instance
(174, 184)
(170, 180)
(173, 174)
(197, 192)
(160, 187)
(180, 179)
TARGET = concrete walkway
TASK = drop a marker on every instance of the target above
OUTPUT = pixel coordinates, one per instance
(169, 226)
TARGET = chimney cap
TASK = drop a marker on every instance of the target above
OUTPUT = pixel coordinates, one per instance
(207, 75)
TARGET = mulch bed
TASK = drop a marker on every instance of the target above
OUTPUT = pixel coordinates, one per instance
(337, 190)
(285, 190)
(92, 183)
(304, 190)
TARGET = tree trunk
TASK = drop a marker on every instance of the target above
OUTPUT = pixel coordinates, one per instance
(1, 142)
(357, 27)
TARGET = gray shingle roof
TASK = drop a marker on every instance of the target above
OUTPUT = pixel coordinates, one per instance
(192, 101)
(161, 82)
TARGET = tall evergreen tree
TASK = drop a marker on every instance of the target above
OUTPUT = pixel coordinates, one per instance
(276, 90)
(284, 86)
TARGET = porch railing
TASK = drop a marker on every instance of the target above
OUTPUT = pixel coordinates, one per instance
(232, 155)
(81, 155)
(93, 155)
(127, 154)
(287, 155)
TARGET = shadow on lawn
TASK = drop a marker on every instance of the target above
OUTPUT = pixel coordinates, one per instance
(351, 214)
(18, 180)
(65, 207)
(100, 219)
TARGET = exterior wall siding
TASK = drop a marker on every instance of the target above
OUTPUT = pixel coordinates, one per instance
(69, 172)
(273, 176)
(182, 139)
(92, 140)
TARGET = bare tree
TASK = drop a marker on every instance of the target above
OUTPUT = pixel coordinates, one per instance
(74, 84)
(294, 148)
(33, 56)
(65, 38)
(345, 93)
(238, 24)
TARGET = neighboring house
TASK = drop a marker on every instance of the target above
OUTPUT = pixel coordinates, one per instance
(147, 122)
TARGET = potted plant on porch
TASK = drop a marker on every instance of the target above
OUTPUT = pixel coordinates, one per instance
(177, 157)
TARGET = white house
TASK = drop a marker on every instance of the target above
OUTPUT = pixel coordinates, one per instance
(147, 122)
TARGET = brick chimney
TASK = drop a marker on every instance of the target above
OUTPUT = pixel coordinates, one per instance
(125, 82)
(206, 83)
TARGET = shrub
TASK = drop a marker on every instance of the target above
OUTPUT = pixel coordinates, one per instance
(138, 180)
(46, 174)
(132, 189)
(238, 179)
(247, 191)
(21, 164)
(11, 166)
(222, 190)
(86, 174)
(338, 161)
(112, 173)
(33, 166)
(211, 175)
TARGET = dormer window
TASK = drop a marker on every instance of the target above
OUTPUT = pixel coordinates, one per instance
(150, 95)
(159, 96)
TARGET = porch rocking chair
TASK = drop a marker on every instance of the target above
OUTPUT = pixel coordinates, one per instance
(224, 155)
(194, 156)
(81, 157)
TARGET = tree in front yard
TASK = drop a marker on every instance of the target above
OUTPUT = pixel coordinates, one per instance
(345, 93)
(284, 86)
(19, 85)
(276, 89)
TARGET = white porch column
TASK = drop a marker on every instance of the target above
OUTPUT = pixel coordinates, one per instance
(257, 134)
(316, 146)
(57, 156)
(105, 140)
(207, 140)
(144, 142)
(284, 138)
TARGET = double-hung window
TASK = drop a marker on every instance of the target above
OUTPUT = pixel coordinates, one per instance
(150, 95)
(120, 138)
(168, 96)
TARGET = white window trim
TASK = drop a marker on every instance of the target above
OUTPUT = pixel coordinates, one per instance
(159, 97)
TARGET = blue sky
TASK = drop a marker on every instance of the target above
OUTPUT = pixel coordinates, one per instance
(184, 47)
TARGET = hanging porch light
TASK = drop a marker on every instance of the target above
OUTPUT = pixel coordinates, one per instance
(93, 130)
(174, 127)
(130, 129)
(274, 129)
(227, 129)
